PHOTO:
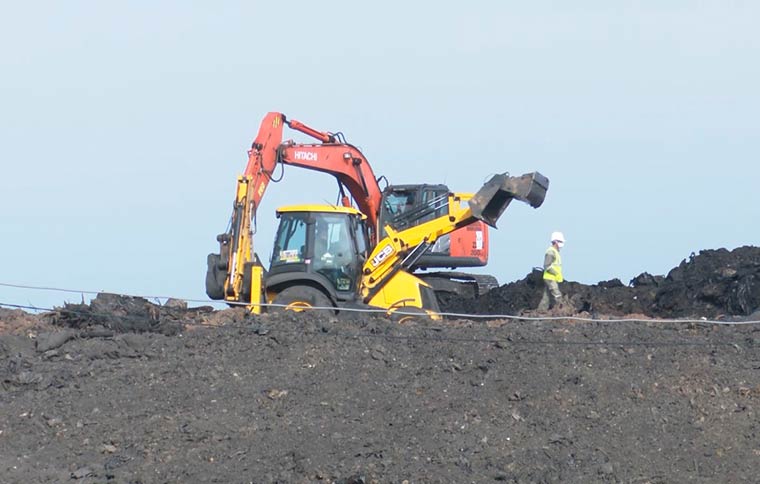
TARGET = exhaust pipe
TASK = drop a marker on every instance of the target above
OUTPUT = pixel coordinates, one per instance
(494, 197)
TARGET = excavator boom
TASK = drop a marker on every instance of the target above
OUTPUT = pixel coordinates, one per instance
(347, 164)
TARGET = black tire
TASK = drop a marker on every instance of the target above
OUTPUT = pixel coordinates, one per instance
(411, 314)
(303, 298)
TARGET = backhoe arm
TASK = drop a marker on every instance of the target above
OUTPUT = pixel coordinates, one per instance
(399, 250)
(225, 276)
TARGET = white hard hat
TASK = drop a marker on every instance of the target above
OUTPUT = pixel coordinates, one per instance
(557, 236)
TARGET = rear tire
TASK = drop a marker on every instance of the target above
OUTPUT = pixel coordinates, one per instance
(303, 298)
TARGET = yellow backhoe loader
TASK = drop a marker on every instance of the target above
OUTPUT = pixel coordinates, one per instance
(322, 257)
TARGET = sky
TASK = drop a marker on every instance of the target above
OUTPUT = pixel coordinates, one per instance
(123, 127)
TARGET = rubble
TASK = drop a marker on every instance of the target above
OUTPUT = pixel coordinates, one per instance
(710, 284)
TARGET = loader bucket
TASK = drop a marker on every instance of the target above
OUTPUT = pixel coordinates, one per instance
(494, 197)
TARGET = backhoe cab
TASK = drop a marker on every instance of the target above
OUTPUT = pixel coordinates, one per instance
(322, 258)
(320, 246)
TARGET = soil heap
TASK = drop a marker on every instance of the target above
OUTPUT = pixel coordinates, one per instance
(122, 390)
(712, 284)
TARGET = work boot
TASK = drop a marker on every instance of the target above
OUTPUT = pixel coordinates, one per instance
(565, 306)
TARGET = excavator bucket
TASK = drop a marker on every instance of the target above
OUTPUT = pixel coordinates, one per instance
(494, 197)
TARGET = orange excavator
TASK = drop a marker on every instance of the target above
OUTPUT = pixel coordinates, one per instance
(402, 206)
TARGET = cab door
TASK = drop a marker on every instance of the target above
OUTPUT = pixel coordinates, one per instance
(335, 251)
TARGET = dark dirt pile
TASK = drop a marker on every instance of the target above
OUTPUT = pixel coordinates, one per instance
(711, 284)
(125, 391)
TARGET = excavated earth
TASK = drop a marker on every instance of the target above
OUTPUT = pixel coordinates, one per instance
(601, 389)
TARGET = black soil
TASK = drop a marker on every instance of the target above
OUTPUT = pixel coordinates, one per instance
(712, 284)
(122, 390)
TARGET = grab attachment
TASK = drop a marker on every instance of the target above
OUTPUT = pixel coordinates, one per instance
(494, 197)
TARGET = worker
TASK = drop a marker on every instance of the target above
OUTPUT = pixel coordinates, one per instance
(322, 244)
(552, 273)
(335, 252)
(333, 256)
(409, 205)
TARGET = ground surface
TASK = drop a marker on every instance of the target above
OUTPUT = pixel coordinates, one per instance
(121, 390)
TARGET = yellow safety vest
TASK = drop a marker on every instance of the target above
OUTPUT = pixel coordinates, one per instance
(556, 266)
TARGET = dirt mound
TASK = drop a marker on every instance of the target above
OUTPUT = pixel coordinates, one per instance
(124, 390)
(714, 283)
(16, 321)
(124, 314)
(283, 398)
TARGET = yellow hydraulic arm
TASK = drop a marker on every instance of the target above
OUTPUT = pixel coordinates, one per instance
(240, 247)
(399, 250)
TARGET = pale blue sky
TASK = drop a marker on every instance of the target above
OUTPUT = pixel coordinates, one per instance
(124, 125)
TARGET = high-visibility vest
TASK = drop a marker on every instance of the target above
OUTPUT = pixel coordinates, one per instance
(556, 266)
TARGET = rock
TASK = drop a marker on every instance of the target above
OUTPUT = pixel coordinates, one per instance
(82, 472)
(50, 340)
(175, 303)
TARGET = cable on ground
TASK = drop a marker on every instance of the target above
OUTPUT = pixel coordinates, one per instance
(384, 311)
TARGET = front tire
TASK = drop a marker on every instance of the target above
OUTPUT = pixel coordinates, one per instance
(303, 298)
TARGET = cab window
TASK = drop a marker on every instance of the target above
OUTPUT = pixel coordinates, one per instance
(290, 242)
(362, 247)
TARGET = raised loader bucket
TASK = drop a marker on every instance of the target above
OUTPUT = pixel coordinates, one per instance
(494, 197)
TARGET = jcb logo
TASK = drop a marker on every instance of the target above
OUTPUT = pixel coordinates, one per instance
(305, 155)
(382, 255)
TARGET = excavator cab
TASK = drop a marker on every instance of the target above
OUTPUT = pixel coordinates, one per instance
(323, 247)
